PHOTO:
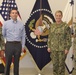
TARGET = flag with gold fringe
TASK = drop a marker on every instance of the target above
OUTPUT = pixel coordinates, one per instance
(37, 27)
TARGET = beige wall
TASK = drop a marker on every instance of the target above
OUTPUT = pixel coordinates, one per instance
(25, 6)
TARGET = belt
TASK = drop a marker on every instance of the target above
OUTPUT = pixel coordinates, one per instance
(15, 42)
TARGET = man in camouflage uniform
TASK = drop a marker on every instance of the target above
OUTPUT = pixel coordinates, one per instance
(59, 42)
(74, 47)
(1, 43)
(1, 50)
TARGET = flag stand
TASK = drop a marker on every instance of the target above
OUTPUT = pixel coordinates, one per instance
(39, 74)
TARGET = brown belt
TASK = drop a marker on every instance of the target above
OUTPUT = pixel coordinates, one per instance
(15, 42)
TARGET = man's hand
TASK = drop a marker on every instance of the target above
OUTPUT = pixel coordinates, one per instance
(23, 49)
(49, 50)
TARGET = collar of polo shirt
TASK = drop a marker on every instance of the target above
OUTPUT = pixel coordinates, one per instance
(14, 21)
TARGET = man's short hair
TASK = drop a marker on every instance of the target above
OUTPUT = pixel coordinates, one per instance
(14, 9)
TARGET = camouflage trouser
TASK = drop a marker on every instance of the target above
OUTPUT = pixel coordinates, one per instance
(2, 44)
(58, 59)
(74, 48)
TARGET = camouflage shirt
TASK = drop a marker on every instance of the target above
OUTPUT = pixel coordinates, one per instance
(74, 41)
(59, 37)
(2, 44)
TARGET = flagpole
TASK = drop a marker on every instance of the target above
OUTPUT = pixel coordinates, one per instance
(72, 29)
(39, 16)
(40, 6)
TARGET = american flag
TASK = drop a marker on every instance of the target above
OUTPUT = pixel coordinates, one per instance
(5, 8)
(7, 5)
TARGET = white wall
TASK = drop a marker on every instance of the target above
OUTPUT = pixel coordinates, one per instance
(25, 7)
